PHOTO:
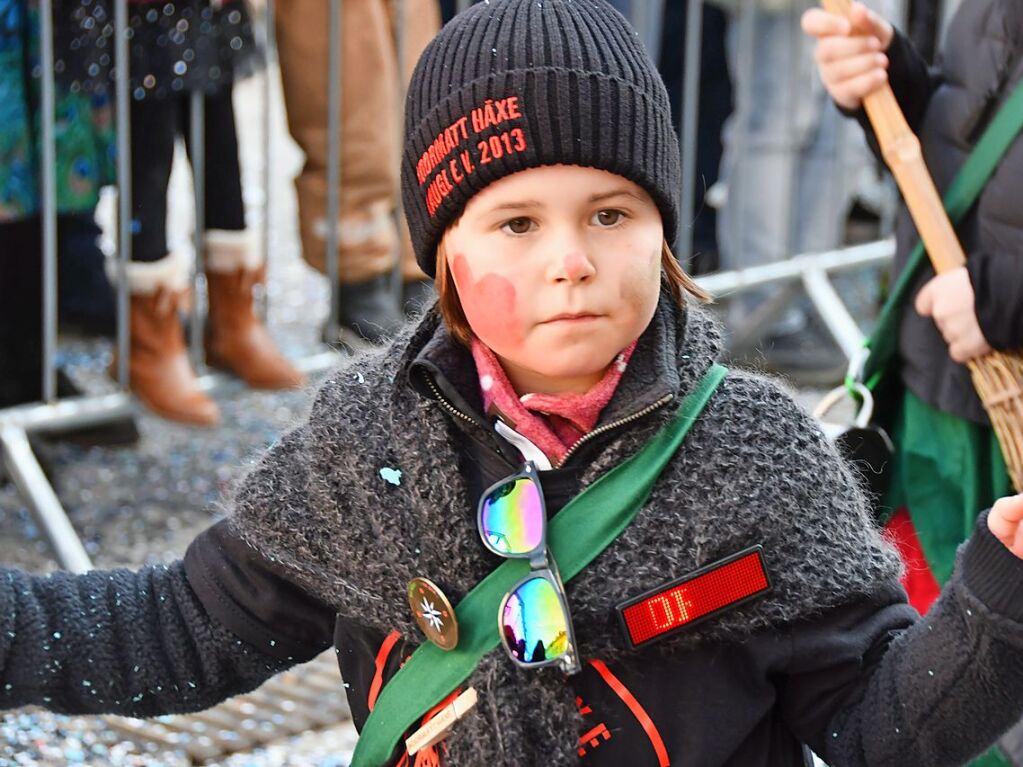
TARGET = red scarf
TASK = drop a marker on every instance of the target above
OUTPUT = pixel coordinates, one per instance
(552, 422)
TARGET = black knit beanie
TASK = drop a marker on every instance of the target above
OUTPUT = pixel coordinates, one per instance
(514, 84)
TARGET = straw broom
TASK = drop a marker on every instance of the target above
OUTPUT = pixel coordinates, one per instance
(997, 376)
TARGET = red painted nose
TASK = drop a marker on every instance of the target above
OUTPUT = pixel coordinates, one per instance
(576, 267)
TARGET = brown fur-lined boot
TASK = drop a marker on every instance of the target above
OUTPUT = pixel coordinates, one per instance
(161, 375)
(236, 340)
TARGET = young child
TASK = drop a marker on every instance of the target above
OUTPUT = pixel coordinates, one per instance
(540, 180)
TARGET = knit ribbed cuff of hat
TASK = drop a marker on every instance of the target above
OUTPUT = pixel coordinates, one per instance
(520, 84)
(559, 117)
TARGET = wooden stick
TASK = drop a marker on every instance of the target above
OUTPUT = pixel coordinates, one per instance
(901, 150)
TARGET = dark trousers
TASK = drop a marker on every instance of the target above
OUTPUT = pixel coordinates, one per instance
(447, 10)
(155, 125)
(715, 104)
(21, 311)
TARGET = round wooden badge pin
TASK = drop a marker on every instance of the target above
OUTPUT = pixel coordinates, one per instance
(433, 612)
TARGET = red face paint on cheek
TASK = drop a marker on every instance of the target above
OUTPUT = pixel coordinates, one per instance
(489, 306)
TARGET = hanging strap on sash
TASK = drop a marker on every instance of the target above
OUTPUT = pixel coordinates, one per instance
(882, 344)
(576, 535)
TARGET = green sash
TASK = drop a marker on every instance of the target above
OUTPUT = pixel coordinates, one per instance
(576, 536)
(882, 344)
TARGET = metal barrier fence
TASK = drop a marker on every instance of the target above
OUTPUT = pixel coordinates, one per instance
(55, 414)
(809, 272)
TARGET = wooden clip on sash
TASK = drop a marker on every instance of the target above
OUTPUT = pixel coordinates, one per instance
(441, 725)
(577, 535)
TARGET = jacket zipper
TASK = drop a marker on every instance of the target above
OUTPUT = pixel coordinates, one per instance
(596, 432)
(448, 406)
(614, 425)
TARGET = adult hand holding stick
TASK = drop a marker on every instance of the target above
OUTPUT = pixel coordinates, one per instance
(852, 41)
(850, 52)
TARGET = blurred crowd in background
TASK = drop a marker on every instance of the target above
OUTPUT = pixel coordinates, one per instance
(777, 172)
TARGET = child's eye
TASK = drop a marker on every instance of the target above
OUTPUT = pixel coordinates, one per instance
(517, 226)
(608, 217)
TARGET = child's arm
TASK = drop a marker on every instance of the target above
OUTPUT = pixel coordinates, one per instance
(863, 679)
(178, 638)
(883, 689)
(134, 643)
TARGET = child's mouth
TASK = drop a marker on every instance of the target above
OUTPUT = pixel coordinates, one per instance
(571, 318)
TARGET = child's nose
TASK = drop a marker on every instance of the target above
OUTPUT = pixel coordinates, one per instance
(574, 266)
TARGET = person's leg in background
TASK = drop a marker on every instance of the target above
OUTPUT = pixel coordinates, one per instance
(715, 104)
(21, 323)
(86, 299)
(368, 239)
(21, 335)
(759, 163)
(422, 22)
(236, 339)
(161, 375)
(21, 327)
(779, 203)
(21, 313)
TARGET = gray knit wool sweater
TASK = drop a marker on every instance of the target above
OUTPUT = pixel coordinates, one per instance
(753, 470)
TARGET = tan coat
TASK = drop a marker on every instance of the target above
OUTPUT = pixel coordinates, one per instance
(368, 240)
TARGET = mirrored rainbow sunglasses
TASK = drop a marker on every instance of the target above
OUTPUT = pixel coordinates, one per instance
(533, 619)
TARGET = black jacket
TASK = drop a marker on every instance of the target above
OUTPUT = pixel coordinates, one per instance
(759, 702)
(949, 107)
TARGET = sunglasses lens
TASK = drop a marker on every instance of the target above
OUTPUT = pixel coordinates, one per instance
(512, 517)
(533, 622)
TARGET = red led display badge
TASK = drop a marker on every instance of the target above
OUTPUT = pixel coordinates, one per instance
(695, 597)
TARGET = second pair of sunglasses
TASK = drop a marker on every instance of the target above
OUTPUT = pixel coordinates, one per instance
(533, 619)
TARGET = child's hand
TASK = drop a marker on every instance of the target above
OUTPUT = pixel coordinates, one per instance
(948, 299)
(850, 54)
(1004, 523)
